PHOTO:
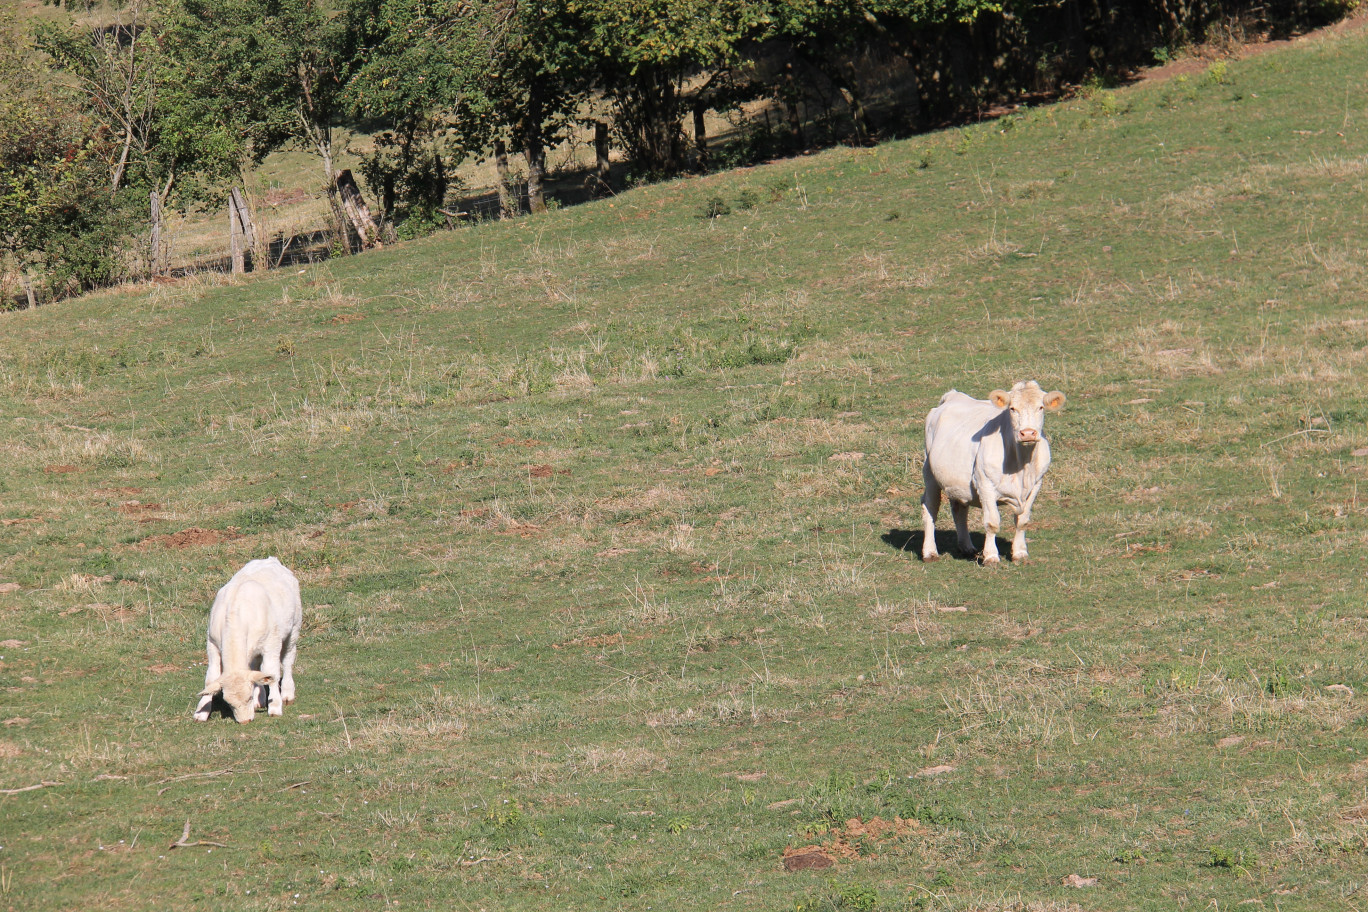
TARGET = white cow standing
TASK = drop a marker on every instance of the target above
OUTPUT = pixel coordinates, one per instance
(983, 453)
(253, 634)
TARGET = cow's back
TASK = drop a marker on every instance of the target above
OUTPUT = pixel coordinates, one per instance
(264, 585)
(954, 438)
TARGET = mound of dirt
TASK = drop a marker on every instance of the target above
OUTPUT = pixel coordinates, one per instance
(807, 858)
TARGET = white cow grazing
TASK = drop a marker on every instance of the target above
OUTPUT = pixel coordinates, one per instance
(983, 453)
(253, 635)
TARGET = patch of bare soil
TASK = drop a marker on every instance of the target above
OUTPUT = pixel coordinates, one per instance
(847, 843)
(61, 469)
(193, 537)
(806, 858)
(145, 512)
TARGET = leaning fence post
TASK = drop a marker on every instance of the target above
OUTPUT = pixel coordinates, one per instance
(240, 234)
(358, 213)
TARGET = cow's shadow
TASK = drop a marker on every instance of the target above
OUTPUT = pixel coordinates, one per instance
(947, 543)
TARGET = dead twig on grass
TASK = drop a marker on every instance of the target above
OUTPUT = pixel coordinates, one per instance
(208, 775)
(46, 783)
(475, 861)
(185, 843)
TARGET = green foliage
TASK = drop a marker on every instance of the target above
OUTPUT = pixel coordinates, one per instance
(57, 214)
(714, 207)
(1234, 860)
(855, 896)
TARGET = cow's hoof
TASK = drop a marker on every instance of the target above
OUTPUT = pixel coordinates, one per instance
(991, 561)
(1021, 561)
(930, 558)
(275, 711)
(202, 717)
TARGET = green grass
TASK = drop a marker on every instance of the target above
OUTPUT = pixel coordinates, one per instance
(598, 517)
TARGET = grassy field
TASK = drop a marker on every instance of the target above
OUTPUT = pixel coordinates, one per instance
(602, 522)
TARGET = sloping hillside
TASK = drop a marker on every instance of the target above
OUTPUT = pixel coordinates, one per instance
(600, 518)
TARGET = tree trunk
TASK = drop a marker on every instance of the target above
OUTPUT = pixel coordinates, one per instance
(534, 151)
(700, 135)
(603, 167)
(508, 206)
(155, 241)
(795, 121)
(322, 140)
(161, 244)
(117, 178)
(536, 167)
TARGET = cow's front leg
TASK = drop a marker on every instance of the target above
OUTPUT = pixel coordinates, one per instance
(1019, 555)
(211, 674)
(931, 501)
(1023, 520)
(992, 521)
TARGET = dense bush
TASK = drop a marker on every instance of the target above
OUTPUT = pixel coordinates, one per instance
(58, 219)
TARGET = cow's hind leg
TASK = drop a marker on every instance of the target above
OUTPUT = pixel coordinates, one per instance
(931, 501)
(270, 665)
(961, 513)
(287, 684)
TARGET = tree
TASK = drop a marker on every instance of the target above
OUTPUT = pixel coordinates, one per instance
(57, 215)
(647, 51)
(247, 77)
(536, 77)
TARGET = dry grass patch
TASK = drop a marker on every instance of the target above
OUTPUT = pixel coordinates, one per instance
(614, 762)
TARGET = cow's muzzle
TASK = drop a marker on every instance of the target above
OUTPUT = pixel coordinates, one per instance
(1026, 435)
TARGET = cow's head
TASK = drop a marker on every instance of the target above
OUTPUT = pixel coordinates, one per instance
(1026, 404)
(239, 689)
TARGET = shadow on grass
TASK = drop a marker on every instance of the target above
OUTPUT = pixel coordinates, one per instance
(946, 543)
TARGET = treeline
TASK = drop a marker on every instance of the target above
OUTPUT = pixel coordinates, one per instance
(120, 111)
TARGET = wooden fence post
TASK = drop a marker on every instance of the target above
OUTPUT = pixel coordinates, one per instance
(358, 213)
(235, 239)
(240, 229)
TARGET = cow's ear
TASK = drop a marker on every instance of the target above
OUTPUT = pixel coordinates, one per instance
(1054, 401)
(998, 398)
(211, 689)
(260, 677)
